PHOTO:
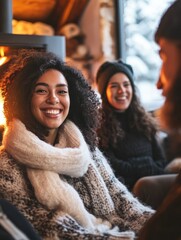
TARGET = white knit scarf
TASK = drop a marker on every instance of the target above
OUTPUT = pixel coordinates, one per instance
(45, 162)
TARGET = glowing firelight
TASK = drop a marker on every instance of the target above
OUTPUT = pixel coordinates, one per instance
(3, 58)
(2, 117)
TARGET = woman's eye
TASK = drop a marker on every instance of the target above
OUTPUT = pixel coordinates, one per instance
(162, 54)
(127, 84)
(62, 92)
(41, 91)
(113, 86)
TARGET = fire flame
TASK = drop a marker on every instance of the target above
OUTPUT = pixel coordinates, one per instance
(2, 117)
(3, 59)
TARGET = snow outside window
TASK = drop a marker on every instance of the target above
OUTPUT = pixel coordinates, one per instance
(141, 18)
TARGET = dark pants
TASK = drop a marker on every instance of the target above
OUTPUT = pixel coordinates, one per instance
(152, 190)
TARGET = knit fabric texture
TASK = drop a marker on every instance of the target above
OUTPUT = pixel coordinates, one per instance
(120, 208)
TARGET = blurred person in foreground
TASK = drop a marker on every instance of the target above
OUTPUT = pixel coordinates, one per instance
(165, 223)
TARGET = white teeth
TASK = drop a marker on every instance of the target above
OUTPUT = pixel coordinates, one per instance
(121, 98)
(53, 111)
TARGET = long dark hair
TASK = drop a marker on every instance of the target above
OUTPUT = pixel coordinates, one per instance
(137, 118)
(171, 111)
(18, 83)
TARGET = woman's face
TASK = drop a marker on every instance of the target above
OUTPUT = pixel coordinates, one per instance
(170, 56)
(119, 92)
(50, 100)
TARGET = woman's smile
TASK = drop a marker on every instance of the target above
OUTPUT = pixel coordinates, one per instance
(52, 112)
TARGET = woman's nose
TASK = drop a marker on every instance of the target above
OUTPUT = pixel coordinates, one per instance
(52, 99)
(120, 89)
(159, 83)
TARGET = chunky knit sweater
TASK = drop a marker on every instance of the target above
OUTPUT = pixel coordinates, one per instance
(119, 207)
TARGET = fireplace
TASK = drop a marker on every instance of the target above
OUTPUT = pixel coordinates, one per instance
(10, 43)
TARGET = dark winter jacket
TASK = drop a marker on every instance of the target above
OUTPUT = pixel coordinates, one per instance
(135, 156)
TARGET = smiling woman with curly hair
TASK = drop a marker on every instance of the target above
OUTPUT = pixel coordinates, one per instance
(51, 168)
(17, 96)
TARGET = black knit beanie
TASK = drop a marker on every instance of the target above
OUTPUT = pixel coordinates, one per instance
(108, 69)
(170, 23)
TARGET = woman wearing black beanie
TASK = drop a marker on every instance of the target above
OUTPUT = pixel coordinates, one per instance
(127, 135)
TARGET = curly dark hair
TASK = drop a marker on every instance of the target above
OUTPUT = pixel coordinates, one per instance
(18, 83)
(138, 119)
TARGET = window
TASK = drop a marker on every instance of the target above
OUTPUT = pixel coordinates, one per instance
(141, 18)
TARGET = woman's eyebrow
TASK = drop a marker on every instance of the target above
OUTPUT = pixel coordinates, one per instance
(46, 85)
(113, 83)
(41, 84)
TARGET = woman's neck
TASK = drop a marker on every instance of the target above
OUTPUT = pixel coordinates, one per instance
(51, 138)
